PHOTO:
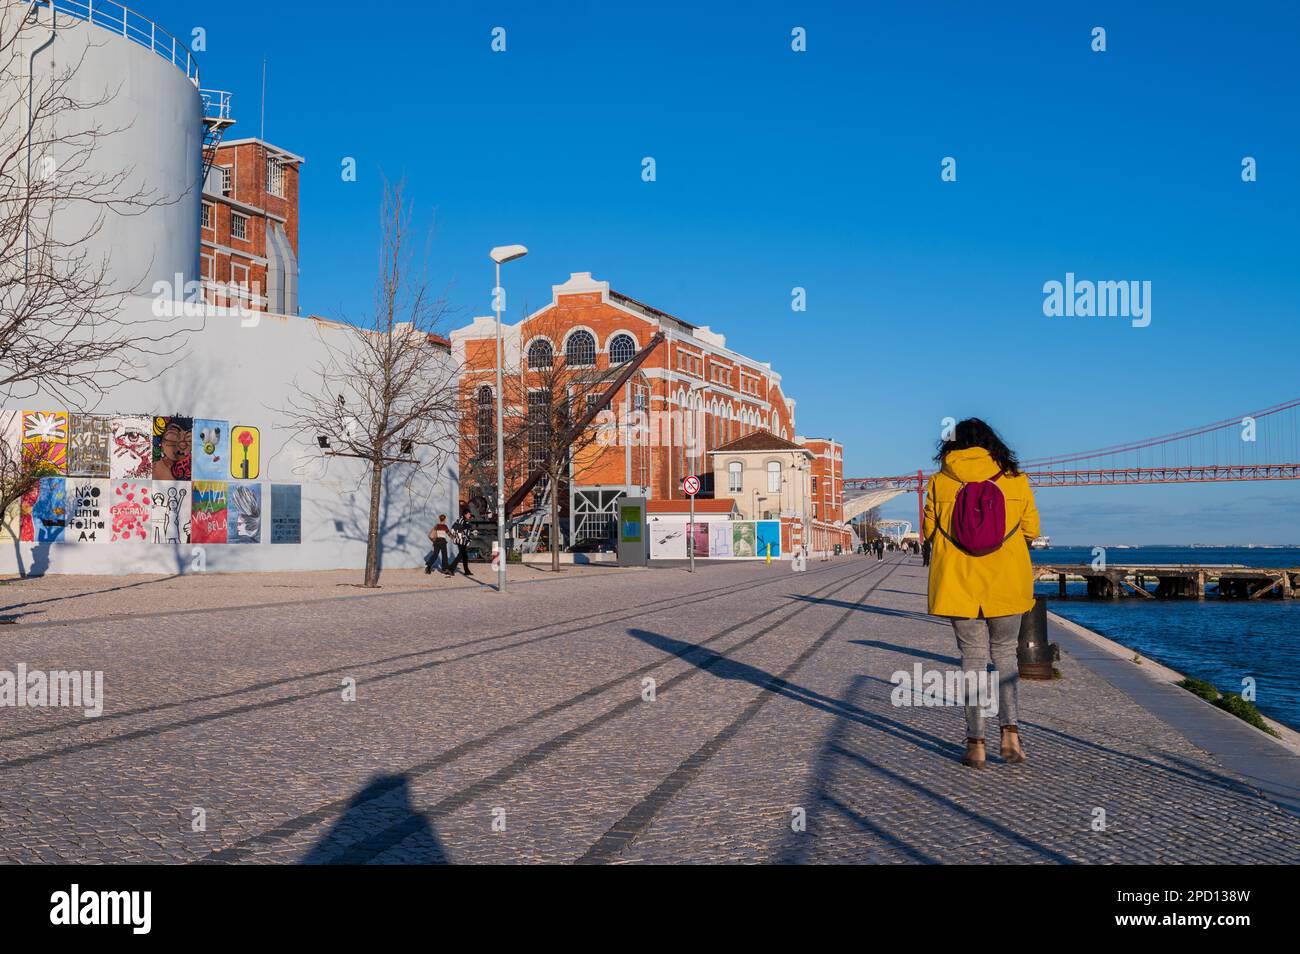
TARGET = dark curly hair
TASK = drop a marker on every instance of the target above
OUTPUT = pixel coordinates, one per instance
(974, 432)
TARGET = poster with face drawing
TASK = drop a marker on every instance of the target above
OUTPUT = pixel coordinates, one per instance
(169, 512)
(129, 514)
(211, 447)
(173, 445)
(244, 514)
(130, 448)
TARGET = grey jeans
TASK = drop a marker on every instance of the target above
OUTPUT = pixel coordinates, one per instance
(977, 639)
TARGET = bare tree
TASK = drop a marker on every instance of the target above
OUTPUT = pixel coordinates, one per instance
(386, 392)
(61, 327)
(549, 392)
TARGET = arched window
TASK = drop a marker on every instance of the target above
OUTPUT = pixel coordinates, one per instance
(735, 479)
(540, 354)
(773, 477)
(580, 351)
(486, 419)
(621, 349)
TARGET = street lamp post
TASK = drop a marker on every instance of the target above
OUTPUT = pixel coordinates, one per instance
(500, 255)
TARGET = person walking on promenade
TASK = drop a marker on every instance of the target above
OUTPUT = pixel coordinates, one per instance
(925, 553)
(979, 519)
(880, 549)
(460, 530)
(438, 536)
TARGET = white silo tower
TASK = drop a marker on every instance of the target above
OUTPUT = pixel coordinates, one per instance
(129, 127)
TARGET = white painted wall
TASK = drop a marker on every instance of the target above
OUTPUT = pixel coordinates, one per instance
(245, 375)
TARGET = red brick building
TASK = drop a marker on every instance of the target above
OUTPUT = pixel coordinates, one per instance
(249, 228)
(692, 395)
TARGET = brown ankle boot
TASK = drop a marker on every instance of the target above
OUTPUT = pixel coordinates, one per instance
(974, 756)
(1011, 750)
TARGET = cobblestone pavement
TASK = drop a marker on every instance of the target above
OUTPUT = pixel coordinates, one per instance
(516, 728)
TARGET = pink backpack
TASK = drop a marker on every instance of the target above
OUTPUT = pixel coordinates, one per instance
(978, 516)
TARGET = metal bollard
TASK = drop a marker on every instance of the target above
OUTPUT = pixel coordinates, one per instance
(1034, 654)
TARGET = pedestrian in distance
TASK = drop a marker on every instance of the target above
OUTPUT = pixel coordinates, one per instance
(979, 519)
(439, 536)
(460, 532)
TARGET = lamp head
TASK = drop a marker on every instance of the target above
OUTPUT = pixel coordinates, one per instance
(507, 253)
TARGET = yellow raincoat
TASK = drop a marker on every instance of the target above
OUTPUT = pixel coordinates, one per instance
(1000, 583)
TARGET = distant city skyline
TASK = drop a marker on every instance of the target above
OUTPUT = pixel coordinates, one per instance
(822, 170)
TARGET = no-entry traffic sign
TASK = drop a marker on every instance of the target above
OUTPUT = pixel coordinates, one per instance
(691, 485)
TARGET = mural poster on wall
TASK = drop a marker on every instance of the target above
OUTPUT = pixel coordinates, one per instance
(45, 442)
(88, 440)
(286, 513)
(130, 511)
(211, 447)
(131, 448)
(768, 536)
(245, 448)
(172, 448)
(244, 515)
(87, 510)
(743, 539)
(720, 539)
(169, 512)
(700, 538)
(50, 510)
(667, 541)
(208, 512)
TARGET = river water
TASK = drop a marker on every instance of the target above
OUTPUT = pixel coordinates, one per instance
(1221, 641)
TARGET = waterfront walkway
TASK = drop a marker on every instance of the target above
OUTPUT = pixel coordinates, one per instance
(518, 728)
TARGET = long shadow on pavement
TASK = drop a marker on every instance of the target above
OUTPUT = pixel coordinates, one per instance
(383, 805)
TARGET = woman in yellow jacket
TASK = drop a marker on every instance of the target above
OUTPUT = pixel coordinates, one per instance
(983, 595)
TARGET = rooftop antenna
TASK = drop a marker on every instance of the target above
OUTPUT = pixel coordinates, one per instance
(262, 133)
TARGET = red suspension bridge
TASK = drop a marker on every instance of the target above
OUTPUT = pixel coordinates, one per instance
(1263, 445)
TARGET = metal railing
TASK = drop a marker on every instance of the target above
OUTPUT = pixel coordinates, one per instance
(216, 103)
(136, 27)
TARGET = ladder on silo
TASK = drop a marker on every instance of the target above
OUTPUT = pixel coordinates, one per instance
(216, 117)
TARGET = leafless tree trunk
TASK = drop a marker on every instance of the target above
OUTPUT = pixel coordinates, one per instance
(61, 327)
(386, 394)
(542, 397)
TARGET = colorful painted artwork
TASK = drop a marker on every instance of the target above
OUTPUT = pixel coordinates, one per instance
(131, 448)
(173, 448)
(208, 512)
(45, 442)
(743, 539)
(129, 511)
(700, 537)
(286, 513)
(211, 446)
(87, 510)
(89, 436)
(720, 539)
(50, 511)
(26, 521)
(11, 522)
(245, 448)
(169, 511)
(244, 514)
(768, 536)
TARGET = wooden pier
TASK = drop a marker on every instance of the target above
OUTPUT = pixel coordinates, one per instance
(1176, 581)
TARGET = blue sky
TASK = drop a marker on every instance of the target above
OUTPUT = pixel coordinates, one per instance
(822, 170)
